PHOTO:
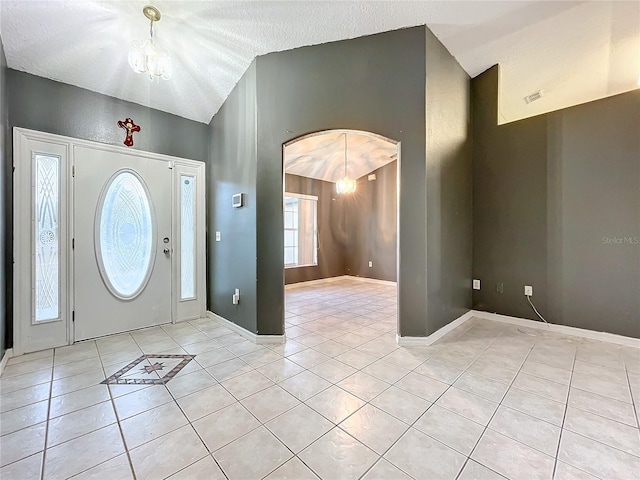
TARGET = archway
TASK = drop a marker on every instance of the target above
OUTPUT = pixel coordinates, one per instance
(339, 246)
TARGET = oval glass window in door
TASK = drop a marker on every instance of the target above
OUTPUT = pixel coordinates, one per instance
(125, 235)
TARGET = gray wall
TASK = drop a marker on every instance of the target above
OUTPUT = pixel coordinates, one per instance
(557, 206)
(232, 169)
(5, 178)
(384, 84)
(449, 185)
(332, 236)
(372, 218)
(48, 106)
(374, 83)
(509, 205)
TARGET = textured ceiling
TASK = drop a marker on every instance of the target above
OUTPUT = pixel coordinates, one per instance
(574, 51)
(322, 156)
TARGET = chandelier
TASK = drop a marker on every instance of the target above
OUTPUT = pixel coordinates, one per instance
(145, 56)
(346, 184)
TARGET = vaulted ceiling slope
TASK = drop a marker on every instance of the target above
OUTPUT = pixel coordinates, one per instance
(322, 156)
(575, 51)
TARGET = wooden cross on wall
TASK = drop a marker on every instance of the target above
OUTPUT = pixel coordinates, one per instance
(130, 127)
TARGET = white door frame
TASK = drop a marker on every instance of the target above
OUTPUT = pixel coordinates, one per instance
(22, 229)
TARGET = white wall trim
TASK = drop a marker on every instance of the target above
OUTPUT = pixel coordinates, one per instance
(321, 281)
(8, 353)
(252, 337)
(561, 329)
(441, 332)
(522, 322)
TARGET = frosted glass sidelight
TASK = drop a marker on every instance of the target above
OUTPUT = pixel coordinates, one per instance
(125, 235)
(187, 237)
(47, 239)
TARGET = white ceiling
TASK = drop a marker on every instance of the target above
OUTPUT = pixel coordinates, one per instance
(322, 156)
(575, 51)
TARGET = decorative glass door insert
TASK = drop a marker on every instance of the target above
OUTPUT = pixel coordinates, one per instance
(46, 238)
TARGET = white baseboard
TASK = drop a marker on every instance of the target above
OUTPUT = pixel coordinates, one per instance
(252, 337)
(8, 353)
(372, 280)
(522, 322)
(321, 281)
(441, 332)
(561, 329)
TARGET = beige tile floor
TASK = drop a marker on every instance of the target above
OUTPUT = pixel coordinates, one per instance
(339, 400)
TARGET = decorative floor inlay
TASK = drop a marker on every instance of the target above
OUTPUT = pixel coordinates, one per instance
(148, 373)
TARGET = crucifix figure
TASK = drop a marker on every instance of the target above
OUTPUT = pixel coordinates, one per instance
(130, 127)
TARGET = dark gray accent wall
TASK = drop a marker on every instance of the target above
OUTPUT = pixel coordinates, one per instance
(48, 106)
(232, 169)
(557, 206)
(53, 107)
(509, 205)
(372, 218)
(5, 178)
(374, 83)
(449, 189)
(332, 235)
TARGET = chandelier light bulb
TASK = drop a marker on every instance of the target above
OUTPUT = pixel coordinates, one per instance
(145, 56)
(345, 185)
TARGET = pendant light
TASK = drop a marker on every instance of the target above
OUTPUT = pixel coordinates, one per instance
(145, 56)
(345, 185)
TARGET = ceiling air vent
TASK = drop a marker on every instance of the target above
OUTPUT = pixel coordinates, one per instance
(533, 97)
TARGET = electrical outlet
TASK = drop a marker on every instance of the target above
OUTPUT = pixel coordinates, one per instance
(370, 264)
(528, 290)
(500, 287)
(476, 284)
(217, 236)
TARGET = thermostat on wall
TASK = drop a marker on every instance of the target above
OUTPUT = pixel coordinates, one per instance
(237, 200)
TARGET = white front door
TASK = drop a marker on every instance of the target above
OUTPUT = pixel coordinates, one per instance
(122, 242)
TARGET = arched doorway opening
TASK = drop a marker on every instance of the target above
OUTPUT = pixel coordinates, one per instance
(340, 246)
